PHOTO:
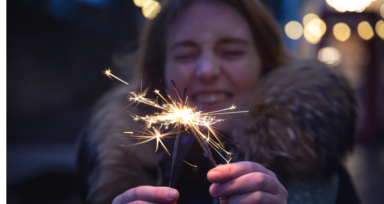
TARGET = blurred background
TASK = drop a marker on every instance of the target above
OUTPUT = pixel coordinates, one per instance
(56, 50)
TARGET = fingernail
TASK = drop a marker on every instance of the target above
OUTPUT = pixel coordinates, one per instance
(171, 194)
(216, 188)
(214, 175)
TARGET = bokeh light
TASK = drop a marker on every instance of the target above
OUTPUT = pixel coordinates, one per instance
(379, 28)
(382, 10)
(364, 30)
(308, 17)
(349, 5)
(314, 30)
(140, 3)
(293, 30)
(151, 9)
(320, 24)
(330, 56)
(341, 31)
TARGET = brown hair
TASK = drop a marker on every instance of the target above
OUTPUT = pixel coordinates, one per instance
(265, 33)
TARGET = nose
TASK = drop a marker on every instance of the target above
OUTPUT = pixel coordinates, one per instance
(208, 68)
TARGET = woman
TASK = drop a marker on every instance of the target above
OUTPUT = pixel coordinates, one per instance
(226, 51)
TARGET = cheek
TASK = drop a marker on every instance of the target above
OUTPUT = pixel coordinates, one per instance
(244, 75)
(181, 75)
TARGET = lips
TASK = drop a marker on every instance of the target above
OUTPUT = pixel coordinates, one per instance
(211, 97)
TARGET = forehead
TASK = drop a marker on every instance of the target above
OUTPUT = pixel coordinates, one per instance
(204, 20)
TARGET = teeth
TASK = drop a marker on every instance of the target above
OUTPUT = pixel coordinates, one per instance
(211, 98)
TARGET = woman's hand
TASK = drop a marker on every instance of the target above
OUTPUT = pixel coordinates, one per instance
(148, 195)
(246, 182)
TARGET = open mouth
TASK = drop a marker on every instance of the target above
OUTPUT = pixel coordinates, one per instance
(211, 97)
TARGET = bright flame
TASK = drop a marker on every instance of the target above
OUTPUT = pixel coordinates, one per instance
(341, 31)
(329, 55)
(349, 5)
(294, 30)
(364, 30)
(379, 28)
(151, 8)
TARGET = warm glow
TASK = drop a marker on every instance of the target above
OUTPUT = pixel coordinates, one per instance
(314, 30)
(349, 5)
(329, 55)
(341, 31)
(151, 9)
(320, 24)
(382, 10)
(308, 17)
(364, 30)
(140, 3)
(293, 30)
(379, 28)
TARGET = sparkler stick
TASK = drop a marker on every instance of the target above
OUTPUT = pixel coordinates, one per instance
(178, 132)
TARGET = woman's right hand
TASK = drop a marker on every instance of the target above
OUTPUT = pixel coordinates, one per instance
(148, 195)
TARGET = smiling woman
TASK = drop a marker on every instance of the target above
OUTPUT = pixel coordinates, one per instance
(225, 51)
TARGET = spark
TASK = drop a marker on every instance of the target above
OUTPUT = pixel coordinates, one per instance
(190, 164)
(108, 73)
(177, 115)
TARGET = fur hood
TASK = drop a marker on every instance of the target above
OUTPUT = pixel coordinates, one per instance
(301, 120)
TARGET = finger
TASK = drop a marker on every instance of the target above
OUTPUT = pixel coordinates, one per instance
(255, 198)
(148, 193)
(251, 182)
(228, 172)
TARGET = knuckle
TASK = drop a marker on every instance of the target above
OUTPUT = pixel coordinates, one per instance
(116, 200)
(260, 178)
(257, 197)
(254, 166)
(231, 186)
(230, 169)
(136, 193)
(157, 192)
(272, 173)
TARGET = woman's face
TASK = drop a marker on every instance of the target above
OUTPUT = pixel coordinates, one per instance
(210, 50)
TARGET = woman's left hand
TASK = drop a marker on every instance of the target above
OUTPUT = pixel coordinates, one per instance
(246, 182)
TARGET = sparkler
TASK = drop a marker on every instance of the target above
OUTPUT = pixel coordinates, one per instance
(178, 114)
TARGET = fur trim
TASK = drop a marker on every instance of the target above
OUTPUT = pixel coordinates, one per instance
(302, 120)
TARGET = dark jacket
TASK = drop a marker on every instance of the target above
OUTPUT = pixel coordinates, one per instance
(301, 124)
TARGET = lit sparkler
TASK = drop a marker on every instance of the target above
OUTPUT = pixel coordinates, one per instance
(178, 114)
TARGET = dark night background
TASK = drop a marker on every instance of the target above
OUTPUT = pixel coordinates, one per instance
(56, 50)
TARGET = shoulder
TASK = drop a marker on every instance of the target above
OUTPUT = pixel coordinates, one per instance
(302, 119)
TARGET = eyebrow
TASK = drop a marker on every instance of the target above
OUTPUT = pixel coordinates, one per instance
(233, 40)
(190, 43)
(187, 43)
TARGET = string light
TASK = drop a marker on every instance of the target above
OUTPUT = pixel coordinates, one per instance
(364, 30)
(379, 28)
(341, 31)
(330, 56)
(293, 30)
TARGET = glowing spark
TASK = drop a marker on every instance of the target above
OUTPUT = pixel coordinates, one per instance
(189, 164)
(110, 75)
(181, 117)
